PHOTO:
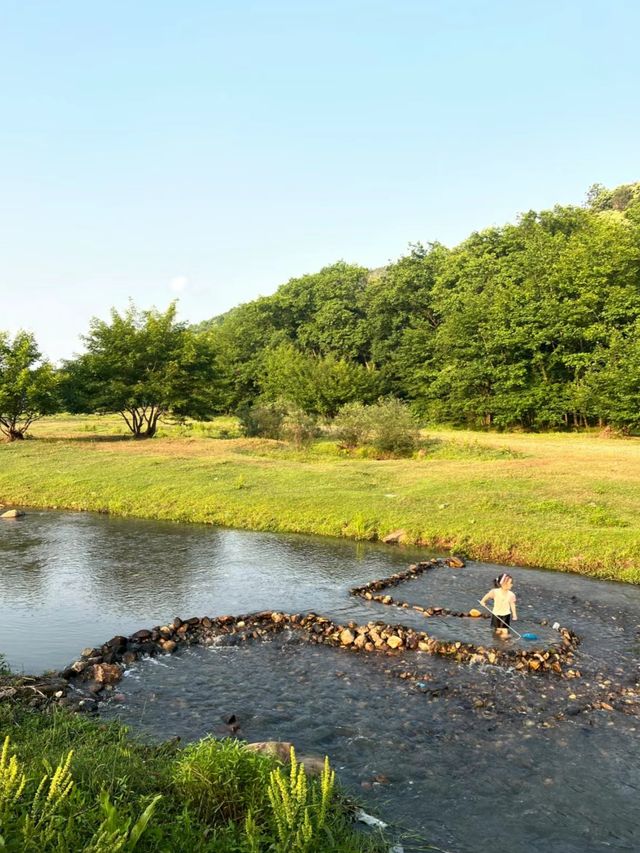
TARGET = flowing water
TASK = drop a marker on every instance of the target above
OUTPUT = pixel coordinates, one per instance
(468, 757)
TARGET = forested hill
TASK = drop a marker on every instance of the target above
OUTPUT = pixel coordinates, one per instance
(534, 324)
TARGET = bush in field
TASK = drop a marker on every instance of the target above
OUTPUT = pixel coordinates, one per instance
(299, 427)
(393, 427)
(388, 426)
(352, 425)
(261, 420)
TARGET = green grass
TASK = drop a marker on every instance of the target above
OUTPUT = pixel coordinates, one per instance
(562, 501)
(214, 795)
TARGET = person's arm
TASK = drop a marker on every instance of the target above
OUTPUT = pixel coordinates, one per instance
(514, 612)
(486, 597)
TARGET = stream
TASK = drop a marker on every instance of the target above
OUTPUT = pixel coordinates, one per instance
(464, 757)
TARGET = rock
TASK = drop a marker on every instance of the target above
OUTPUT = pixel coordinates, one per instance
(79, 666)
(95, 687)
(394, 642)
(475, 613)
(168, 646)
(12, 513)
(313, 764)
(277, 618)
(107, 673)
(346, 637)
(424, 647)
(117, 643)
(128, 658)
(395, 537)
(277, 748)
(360, 641)
(454, 562)
(141, 635)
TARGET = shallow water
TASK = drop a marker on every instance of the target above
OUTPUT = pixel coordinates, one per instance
(464, 756)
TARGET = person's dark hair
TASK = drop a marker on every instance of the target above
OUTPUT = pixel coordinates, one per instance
(497, 582)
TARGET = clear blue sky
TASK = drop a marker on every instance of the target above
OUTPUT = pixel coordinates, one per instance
(213, 150)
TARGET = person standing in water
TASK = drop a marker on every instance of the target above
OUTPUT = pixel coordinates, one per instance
(504, 604)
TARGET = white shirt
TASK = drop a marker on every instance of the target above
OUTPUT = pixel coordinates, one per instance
(502, 601)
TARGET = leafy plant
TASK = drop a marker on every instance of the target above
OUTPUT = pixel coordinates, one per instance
(299, 812)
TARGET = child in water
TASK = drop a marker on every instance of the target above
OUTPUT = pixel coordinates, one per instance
(504, 604)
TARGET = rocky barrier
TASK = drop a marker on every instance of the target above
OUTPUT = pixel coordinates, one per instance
(95, 674)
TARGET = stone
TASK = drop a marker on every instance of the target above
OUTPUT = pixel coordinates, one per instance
(107, 673)
(424, 647)
(12, 513)
(277, 618)
(475, 613)
(313, 764)
(168, 646)
(141, 635)
(454, 562)
(277, 748)
(394, 642)
(346, 637)
(395, 537)
(117, 643)
(360, 641)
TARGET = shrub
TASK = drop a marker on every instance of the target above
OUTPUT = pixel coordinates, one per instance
(261, 420)
(222, 781)
(352, 425)
(299, 427)
(393, 427)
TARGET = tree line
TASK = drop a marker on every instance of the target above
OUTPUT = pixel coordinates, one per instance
(533, 325)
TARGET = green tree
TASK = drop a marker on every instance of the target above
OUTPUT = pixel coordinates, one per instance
(144, 365)
(28, 385)
(317, 385)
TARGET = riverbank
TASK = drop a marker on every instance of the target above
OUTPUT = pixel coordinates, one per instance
(210, 795)
(562, 501)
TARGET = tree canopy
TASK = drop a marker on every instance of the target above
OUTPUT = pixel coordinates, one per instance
(516, 326)
(28, 385)
(145, 365)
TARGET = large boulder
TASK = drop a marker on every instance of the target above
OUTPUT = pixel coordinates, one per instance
(12, 513)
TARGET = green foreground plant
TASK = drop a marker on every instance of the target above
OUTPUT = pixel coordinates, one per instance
(104, 796)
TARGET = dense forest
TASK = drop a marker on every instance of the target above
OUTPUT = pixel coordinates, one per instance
(534, 325)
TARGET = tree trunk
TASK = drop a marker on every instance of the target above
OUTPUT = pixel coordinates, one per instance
(16, 435)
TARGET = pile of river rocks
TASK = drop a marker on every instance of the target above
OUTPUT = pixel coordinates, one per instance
(372, 591)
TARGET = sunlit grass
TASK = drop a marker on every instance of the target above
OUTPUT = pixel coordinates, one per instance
(562, 501)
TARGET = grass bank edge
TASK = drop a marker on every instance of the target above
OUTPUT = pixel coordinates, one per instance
(249, 487)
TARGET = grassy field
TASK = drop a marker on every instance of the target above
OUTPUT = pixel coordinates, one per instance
(563, 501)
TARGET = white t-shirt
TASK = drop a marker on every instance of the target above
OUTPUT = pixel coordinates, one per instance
(502, 601)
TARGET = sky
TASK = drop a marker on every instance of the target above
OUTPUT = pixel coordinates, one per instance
(209, 151)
